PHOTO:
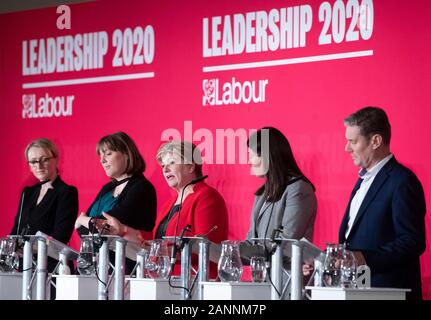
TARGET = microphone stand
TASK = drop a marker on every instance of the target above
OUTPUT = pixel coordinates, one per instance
(26, 229)
(20, 211)
(176, 248)
(185, 261)
(276, 271)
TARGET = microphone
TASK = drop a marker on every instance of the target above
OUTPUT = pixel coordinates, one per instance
(176, 248)
(20, 211)
(274, 242)
(276, 232)
(21, 207)
(205, 235)
(179, 247)
(26, 229)
(187, 228)
(194, 181)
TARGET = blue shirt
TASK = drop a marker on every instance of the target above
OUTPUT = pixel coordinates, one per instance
(104, 204)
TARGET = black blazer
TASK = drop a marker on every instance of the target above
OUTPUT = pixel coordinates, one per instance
(137, 204)
(389, 228)
(136, 208)
(56, 213)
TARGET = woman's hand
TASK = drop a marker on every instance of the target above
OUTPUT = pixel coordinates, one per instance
(82, 220)
(307, 269)
(112, 225)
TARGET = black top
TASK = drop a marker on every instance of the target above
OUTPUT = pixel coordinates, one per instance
(137, 204)
(136, 208)
(161, 230)
(55, 215)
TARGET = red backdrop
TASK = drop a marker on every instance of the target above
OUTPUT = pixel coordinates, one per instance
(388, 66)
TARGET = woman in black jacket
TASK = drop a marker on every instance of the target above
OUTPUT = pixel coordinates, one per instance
(51, 205)
(129, 196)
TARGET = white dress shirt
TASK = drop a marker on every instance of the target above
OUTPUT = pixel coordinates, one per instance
(367, 180)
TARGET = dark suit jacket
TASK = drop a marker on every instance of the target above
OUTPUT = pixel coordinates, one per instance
(389, 228)
(56, 213)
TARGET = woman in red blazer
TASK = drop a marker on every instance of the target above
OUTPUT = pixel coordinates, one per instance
(196, 207)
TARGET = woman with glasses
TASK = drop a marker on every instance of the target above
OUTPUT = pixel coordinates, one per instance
(50, 205)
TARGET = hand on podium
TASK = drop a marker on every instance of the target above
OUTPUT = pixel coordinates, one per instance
(307, 269)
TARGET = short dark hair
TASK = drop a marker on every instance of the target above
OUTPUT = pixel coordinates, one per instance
(371, 120)
(121, 142)
(281, 165)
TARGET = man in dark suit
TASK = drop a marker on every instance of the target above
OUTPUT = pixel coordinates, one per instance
(384, 223)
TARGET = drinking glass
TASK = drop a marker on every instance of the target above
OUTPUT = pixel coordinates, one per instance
(85, 263)
(230, 266)
(8, 258)
(331, 268)
(158, 264)
(258, 269)
(348, 270)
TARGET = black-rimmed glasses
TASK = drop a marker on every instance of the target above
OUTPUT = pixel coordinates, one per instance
(41, 161)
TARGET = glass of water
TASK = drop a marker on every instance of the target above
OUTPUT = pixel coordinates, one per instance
(258, 269)
(348, 270)
(158, 264)
(85, 263)
(230, 267)
(8, 258)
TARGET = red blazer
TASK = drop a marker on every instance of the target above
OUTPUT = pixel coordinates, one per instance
(202, 210)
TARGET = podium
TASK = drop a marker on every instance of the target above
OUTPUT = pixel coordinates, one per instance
(44, 246)
(298, 250)
(88, 287)
(330, 293)
(188, 246)
(124, 249)
(153, 289)
(77, 287)
(236, 290)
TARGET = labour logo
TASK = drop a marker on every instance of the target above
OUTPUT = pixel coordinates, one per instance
(28, 105)
(209, 86)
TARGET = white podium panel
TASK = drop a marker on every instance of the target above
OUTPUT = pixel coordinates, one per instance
(328, 293)
(80, 287)
(152, 289)
(11, 287)
(236, 291)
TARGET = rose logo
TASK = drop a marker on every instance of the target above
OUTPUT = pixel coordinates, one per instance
(209, 91)
(28, 101)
